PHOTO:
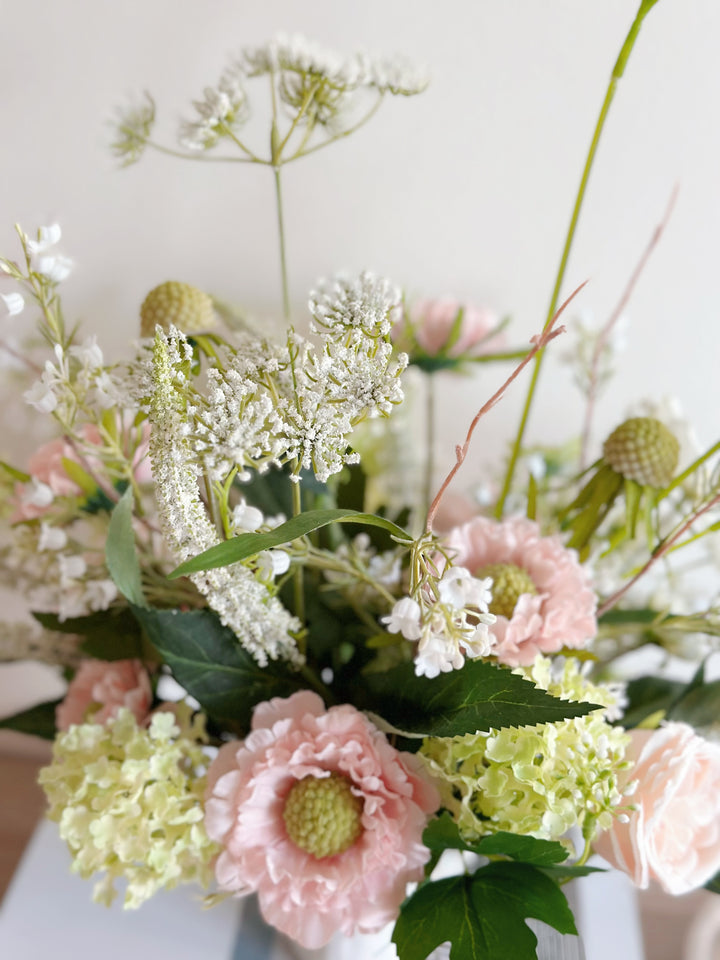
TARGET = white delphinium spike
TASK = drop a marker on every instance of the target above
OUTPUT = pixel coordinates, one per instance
(243, 604)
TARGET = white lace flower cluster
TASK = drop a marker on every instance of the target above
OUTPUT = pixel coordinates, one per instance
(133, 125)
(316, 86)
(448, 624)
(269, 404)
(242, 602)
(221, 113)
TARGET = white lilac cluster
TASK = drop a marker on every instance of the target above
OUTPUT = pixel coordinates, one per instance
(242, 602)
(77, 379)
(447, 627)
(299, 403)
(221, 113)
(359, 569)
(60, 570)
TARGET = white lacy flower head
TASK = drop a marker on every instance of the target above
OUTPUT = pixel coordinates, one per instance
(221, 112)
(133, 126)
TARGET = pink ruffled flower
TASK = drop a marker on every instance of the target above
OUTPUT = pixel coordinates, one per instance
(100, 688)
(309, 896)
(432, 322)
(673, 835)
(50, 479)
(561, 613)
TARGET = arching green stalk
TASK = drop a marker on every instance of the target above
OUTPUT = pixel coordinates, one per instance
(617, 73)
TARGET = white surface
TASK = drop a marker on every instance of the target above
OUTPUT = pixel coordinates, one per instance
(48, 913)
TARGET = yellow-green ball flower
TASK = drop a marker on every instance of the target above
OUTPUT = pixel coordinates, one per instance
(130, 806)
(643, 449)
(540, 780)
(175, 304)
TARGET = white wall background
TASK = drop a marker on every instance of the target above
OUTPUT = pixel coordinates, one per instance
(465, 190)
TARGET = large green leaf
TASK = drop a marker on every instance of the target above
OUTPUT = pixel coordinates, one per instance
(442, 834)
(483, 915)
(39, 721)
(207, 660)
(249, 544)
(479, 696)
(120, 553)
(647, 695)
(110, 635)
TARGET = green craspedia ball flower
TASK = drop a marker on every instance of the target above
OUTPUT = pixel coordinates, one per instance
(176, 304)
(510, 582)
(643, 449)
(322, 815)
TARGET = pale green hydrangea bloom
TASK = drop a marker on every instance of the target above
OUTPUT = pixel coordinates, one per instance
(540, 780)
(129, 804)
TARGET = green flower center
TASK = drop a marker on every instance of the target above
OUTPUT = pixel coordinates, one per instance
(509, 583)
(322, 815)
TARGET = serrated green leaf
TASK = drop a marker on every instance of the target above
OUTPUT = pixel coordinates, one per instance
(647, 695)
(120, 552)
(483, 915)
(38, 721)
(479, 696)
(207, 660)
(249, 544)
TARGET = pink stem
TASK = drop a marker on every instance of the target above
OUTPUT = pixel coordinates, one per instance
(539, 341)
(659, 551)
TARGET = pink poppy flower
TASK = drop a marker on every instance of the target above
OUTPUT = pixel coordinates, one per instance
(100, 688)
(432, 323)
(321, 816)
(542, 596)
(673, 835)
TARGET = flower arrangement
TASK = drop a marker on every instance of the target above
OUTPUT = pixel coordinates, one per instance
(366, 681)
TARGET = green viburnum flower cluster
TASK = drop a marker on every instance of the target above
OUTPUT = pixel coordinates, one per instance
(129, 804)
(540, 780)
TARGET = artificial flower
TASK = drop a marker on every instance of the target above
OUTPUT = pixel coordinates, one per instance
(321, 816)
(100, 689)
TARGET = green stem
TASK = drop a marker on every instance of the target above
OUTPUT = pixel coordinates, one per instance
(301, 152)
(682, 477)
(208, 158)
(281, 237)
(429, 440)
(617, 73)
(299, 583)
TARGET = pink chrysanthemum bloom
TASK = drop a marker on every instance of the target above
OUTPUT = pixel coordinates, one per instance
(321, 816)
(542, 597)
(100, 688)
(433, 327)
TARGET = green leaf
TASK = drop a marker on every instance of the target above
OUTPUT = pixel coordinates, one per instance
(110, 635)
(249, 544)
(39, 721)
(442, 834)
(479, 696)
(81, 478)
(13, 473)
(483, 915)
(120, 553)
(647, 695)
(207, 660)
(698, 704)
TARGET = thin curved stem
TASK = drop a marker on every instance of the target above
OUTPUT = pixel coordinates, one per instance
(205, 157)
(429, 438)
(281, 238)
(615, 76)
